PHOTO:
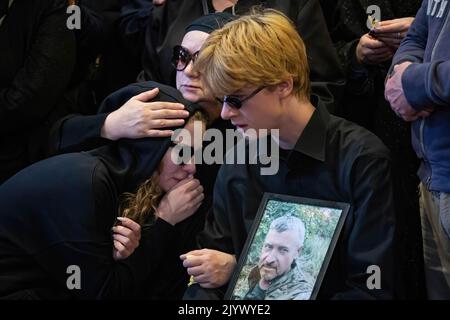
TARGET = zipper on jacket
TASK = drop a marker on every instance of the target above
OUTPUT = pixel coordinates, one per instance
(440, 35)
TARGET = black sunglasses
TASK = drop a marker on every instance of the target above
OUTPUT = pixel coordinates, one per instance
(235, 102)
(181, 57)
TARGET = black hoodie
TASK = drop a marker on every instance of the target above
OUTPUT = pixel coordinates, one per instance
(59, 212)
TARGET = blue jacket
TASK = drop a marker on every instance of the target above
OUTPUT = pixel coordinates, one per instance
(427, 83)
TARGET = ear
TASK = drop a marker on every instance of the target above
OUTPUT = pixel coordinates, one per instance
(285, 88)
(299, 251)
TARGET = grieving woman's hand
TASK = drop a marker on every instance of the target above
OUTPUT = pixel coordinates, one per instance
(126, 237)
(210, 268)
(139, 119)
(181, 201)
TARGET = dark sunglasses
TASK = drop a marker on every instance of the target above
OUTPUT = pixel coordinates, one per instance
(235, 102)
(181, 57)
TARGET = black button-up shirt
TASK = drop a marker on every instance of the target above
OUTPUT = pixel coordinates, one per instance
(333, 160)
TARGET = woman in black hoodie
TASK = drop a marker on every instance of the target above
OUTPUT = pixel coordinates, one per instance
(57, 215)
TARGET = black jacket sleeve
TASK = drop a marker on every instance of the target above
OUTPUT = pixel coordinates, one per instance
(90, 248)
(125, 278)
(76, 133)
(101, 276)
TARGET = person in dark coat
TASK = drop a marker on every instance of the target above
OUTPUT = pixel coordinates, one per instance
(57, 216)
(151, 32)
(37, 58)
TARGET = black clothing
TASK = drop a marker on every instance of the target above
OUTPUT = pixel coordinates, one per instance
(151, 32)
(76, 133)
(333, 160)
(37, 56)
(365, 104)
(59, 212)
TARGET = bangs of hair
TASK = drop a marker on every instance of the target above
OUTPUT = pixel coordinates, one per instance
(261, 49)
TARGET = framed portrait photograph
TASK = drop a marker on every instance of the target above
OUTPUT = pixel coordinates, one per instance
(288, 249)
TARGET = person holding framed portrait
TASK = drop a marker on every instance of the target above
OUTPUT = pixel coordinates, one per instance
(257, 66)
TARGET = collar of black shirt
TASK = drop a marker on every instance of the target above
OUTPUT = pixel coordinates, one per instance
(312, 141)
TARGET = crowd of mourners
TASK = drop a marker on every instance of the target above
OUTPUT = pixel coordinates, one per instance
(92, 91)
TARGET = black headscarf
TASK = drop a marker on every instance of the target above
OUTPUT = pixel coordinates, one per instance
(129, 161)
(210, 22)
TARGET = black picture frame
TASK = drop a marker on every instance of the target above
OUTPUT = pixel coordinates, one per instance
(323, 222)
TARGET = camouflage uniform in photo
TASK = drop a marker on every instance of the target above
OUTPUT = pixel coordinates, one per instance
(290, 286)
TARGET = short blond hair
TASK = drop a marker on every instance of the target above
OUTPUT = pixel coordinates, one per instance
(259, 49)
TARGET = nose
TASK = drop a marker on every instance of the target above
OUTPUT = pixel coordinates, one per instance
(189, 70)
(227, 113)
(189, 168)
(270, 258)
